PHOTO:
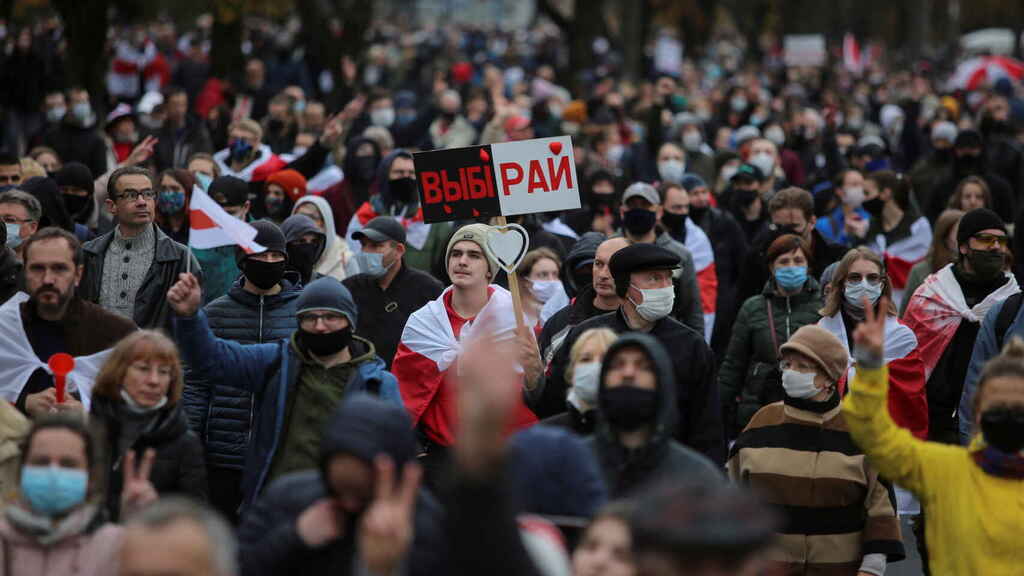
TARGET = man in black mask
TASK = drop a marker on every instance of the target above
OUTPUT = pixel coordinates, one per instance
(297, 380)
(636, 419)
(398, 197)
(969, 160)
(75, 182)
(305, 245)
(743, 197)
(259, 307)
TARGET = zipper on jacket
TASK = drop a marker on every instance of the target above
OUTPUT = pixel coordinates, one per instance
(252, 397)
(789, 313)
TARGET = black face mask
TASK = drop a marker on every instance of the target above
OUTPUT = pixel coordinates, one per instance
(639, 221)
(403, 190)
(986, 264)
(944, 155)
(628, 407)
(327, 343)
(674, 222)
(303, 257)
(1003, 428)
(264, 275)
(968, 165)
(364, 168)
(873, 206)
(744, 197)
(76, 205)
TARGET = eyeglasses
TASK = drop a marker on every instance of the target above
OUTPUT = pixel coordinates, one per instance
(8, 219)
(331, 320)
(857, 278)
(133, 195)
(988, 241)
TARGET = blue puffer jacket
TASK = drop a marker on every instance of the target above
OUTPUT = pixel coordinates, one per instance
(270, 372)
(220, 414)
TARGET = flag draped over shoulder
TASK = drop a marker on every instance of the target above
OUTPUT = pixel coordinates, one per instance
(18, 361)
(429, 350)
(699, 245)
(937, 308)
(212, 227)
(901, 255)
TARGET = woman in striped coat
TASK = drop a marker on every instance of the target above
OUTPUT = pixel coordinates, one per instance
(798, 456)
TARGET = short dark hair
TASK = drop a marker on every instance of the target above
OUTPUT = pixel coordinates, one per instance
(51, 233)
(793, 197)
(127, 171)
(895, 181)
(785, 244)
(7, 159)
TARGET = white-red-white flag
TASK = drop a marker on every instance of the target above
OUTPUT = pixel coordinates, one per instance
(852, 59)
(211, 226)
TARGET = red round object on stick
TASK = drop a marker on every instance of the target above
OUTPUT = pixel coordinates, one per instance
(61, 364)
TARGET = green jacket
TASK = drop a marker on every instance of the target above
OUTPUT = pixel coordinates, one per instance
(750, 377)
(432, 253)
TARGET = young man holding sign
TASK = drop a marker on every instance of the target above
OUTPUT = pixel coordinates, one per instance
(426, 362)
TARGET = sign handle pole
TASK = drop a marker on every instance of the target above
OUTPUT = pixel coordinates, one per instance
(513, 286)
(188, 260)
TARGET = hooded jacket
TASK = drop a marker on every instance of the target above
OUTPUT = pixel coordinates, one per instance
(749, 378)
(271, 372)
(74, 143)
(425, 243)
(295, 227)
(695, 397)
(554, 473)
(364, 427)
(54, 213)
(628, 471)
(179, 467)
(336, 260)
(223, 415)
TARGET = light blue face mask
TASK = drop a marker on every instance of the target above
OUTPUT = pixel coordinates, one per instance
(204, 181)
(13, 234)
(855, 293)
(53, 490)
(372, 264)
(790, 278)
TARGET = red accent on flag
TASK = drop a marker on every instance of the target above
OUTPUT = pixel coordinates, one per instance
(899, 270)
(200, 221)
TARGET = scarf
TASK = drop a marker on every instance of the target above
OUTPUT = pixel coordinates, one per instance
(44, 530)
(997, 463)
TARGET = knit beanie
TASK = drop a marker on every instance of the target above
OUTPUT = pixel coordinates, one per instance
(327, 293)
(822, 347)
(293, 183)
(269, 236)
(975, 221)
(476, 233)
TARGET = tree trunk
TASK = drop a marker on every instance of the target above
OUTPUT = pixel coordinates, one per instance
(226, 56)
(86, 31)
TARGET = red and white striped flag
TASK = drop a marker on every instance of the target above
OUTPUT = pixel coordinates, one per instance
(852, 59)
(211, 226)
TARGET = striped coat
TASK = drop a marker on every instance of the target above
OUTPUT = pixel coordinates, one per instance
(835, 509)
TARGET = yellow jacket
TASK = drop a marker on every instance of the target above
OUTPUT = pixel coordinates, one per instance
(973, 519)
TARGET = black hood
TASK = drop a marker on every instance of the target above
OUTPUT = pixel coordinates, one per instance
(365, 426)
(54, 213)
(665, 418)
(582, 251)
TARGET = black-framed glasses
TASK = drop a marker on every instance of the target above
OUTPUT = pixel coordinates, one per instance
(988, 241)
(309, 320)
(133, 195)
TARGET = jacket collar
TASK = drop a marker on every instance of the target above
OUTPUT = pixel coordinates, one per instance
(166, 249)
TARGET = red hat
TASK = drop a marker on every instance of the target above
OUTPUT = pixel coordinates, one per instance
(294, 184)
(515, 123)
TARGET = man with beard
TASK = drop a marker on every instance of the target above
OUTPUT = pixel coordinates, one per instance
(55, 319)
(296, 381)
(969, 151)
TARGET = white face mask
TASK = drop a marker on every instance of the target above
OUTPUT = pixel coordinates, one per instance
(855, 293)
(657, 303)
(671, 171)
(585, 378)
(543, 290)
(692, 140)
(728, 172)
(382, 117)
(853, 196)
(764, 162)
(798, 384)
(776, 135)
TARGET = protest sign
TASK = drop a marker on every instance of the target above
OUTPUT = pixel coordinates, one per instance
(504, 179)
(804, 50)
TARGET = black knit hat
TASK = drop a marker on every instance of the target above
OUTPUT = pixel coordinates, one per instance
(975, 221)
(268, 235)
(229, 191)
(327, 293)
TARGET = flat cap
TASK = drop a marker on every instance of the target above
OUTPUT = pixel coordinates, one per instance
(637, 257)
(381, 229)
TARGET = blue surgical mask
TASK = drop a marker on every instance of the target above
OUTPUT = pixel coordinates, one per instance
(371, 264)
(240, 150)
(204, 181)
(13, 234)
(81, 111)
(53, 490)
(170, 201)
(791, 278)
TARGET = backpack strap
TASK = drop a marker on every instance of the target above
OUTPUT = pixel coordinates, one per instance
(771, 325)
(1005, 317)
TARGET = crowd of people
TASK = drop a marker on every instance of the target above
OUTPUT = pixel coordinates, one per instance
(786, 315)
